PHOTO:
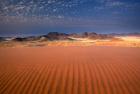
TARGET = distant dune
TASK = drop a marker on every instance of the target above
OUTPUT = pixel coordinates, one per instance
(70, 70)
(81, 39)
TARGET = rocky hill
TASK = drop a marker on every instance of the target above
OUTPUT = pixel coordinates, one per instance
(52, 36)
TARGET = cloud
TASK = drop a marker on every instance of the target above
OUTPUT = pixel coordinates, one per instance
(114, 4)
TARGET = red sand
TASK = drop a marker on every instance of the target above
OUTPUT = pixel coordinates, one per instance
(70, 70)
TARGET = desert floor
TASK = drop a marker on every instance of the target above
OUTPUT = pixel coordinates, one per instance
(70, 70)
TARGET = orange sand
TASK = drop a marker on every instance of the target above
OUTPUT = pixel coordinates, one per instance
(70, 70)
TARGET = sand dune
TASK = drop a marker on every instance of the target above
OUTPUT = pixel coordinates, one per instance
(122, 41)
(70, 70)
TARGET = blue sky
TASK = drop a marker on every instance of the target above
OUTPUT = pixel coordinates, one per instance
(101, 16)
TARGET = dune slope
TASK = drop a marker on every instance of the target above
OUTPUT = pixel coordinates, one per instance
(70, 70)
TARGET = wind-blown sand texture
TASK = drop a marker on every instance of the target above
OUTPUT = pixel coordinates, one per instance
(70, 70)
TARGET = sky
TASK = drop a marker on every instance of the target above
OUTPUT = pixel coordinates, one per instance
(43, 16)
